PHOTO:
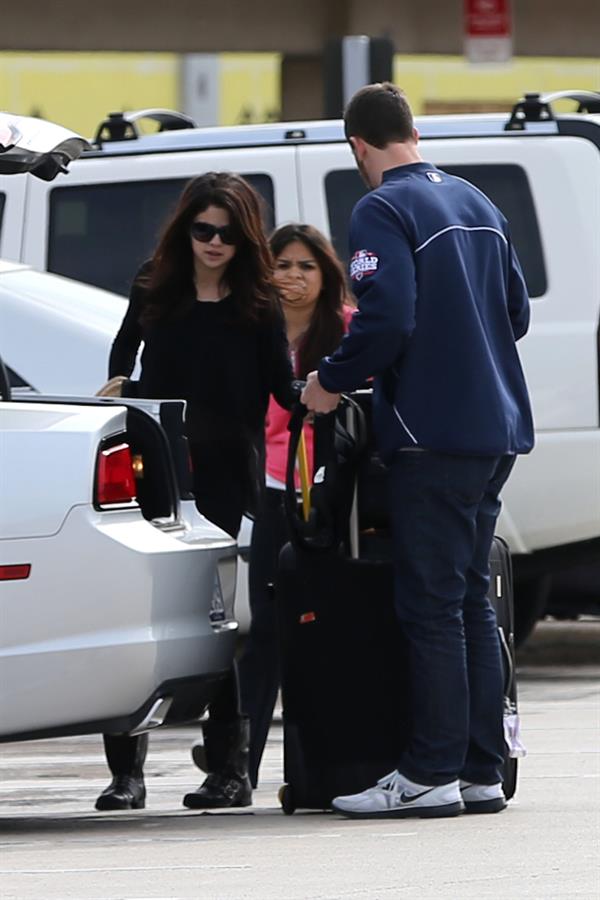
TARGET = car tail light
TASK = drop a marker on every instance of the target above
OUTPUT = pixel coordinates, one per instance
(115, 478)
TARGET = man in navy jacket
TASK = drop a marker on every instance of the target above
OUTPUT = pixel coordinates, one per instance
(441, 303)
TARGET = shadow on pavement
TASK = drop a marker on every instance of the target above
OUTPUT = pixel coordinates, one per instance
(562, 643)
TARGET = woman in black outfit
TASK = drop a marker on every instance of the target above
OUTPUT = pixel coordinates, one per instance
(214, 335)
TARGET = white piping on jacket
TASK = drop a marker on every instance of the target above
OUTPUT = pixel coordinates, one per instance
(404, 425)
(462, 228)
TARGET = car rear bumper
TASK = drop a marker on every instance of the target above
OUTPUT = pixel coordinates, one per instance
(114, 608)
(189, 699)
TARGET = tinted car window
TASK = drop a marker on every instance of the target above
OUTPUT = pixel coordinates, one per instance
(343, 190)
(506, 185)
(2, 201)
(102, 233)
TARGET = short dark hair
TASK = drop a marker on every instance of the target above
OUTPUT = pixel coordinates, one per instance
(379, 114)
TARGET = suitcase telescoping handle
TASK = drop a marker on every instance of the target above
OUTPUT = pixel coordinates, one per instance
(297, 451)
(304, 475)
(325, 519)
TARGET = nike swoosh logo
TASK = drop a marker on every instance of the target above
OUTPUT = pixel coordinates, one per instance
(408, 798)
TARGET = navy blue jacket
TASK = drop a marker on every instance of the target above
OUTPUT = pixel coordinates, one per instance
(441, 302)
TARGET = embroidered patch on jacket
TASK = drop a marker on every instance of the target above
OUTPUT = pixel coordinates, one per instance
(435, 177)
(364, 262)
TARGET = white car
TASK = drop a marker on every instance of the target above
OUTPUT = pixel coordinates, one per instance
(117, 596)
(56, 333)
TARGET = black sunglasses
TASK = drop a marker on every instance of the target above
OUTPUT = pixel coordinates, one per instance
(205, 232)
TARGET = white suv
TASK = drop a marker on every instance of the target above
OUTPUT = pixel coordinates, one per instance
(540, 167)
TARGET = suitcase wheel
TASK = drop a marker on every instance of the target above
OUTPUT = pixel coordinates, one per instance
(286, 798)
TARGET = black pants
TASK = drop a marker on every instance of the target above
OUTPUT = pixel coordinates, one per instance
(125, 754)
(259, 665)
(219, 489)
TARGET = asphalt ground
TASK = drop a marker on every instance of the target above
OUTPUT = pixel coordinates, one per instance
(544, 846)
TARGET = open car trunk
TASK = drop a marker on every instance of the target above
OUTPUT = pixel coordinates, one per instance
(155, 434)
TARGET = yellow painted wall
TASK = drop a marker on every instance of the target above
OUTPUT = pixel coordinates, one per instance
(250, 88)
(78, 90)
(431, 80)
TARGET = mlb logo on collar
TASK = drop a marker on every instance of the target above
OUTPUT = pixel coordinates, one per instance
(435, 177)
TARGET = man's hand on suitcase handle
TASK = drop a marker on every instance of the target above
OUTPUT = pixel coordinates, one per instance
(316, 398)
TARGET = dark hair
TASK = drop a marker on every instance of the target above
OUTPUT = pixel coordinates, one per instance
(249, 274)
(326, 327)
(380, 115)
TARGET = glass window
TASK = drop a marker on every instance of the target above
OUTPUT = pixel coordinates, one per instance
(2, 202)
(343, 190)
(506, 185)
(102, 233)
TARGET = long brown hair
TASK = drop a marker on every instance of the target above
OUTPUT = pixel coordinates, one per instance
(326, 327)
(169, 279)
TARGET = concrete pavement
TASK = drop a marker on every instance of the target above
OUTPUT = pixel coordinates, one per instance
(545, 846)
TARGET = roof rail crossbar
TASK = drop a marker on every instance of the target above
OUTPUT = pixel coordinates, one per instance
(589, 101)
(537, 107)
(121, 126)
(530, 108)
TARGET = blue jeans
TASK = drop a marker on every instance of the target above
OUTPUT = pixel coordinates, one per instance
(444, 511)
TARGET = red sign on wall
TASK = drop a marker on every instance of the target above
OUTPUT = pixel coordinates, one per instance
(487, 18)
(488, 30)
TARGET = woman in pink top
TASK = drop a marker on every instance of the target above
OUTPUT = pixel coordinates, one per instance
(317, 307)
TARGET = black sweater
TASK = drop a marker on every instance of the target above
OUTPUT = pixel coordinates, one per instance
(225, 369)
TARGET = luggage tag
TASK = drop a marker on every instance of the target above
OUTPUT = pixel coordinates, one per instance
(512, 736)
(511, 720)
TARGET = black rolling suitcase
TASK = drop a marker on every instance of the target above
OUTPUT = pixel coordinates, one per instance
(502, 599)
(346, 710)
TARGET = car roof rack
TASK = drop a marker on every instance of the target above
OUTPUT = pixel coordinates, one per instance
(121, 126)
(536, 107)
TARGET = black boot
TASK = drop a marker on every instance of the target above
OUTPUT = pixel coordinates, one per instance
(226, 745)
(125, 756)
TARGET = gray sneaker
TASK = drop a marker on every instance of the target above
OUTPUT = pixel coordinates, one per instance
(482, 798)
(396, 797)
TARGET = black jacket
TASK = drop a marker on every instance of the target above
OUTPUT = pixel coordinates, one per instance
(224, 368)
